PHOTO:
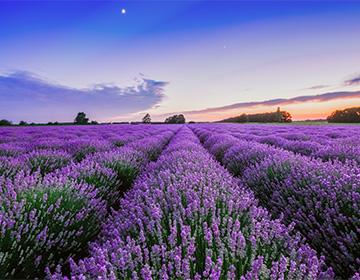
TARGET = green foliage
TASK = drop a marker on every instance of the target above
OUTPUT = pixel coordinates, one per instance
(5, 122)
(9, 170)
(349, 115)
(107, 184)
(175, 119)
(46, 163)
(146, 119)
(125, 172)
(263, 182)
(53, 224)
(239, 119)
(119, 143)
(81, 118)
(278, 116)
(83, 152)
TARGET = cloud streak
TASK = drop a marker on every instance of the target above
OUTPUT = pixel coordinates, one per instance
(279, 102)
(353, 82)
(26, 96)
(318, 87)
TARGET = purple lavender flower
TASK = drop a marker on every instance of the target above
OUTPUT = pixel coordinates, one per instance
(44, 222)
(154, 235)
(321, 198)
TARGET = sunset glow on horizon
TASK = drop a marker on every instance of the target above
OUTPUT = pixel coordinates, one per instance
(303, 111)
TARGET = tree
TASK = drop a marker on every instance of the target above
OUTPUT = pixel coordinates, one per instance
(286, 117)
(242, 118)
(146, 119)
(278, 116)
(94, 122)
(5, 122)
(175, 119)
(348, 115)
(23, 123)
(81, 118)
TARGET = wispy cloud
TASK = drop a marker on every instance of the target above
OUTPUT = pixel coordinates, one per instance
(25, 96)
(279, 102)
(353, 81)
(317, 87)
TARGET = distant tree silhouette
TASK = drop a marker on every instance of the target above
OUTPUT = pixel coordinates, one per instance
(5, 122)
(23, 123)
(146, 119)
(175, 119)
(349, 115)
(286, 117)
(81, 118)
(278, 116)
(94, 122)
(239, 119)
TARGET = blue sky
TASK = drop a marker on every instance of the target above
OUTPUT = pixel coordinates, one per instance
(163, 57)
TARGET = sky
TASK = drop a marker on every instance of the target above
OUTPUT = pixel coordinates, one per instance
(117, 60)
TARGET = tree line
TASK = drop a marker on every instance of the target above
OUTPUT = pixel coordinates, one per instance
(175, 119)
(82, 119)
(278, 116)
(349, 115)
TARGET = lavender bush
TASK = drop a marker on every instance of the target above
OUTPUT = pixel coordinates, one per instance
(246, 154)
(44, 222)
(325, 142)
(10, 167)
(324, 201)
(47, 219)
(105, 180)
(186, 220)
(45, 161)
(97, 202)
(322, 198)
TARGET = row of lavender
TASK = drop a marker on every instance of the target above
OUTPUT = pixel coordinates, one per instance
(324, 142)
(321, 198)
(75, 140)
(52, 202)
(184, 219)
(47, 148)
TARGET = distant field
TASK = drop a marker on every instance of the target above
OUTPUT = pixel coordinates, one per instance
(192, 201)
(298, 123)
(303, 123)
(321, 123)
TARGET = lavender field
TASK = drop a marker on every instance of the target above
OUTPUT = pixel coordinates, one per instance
(199, 201)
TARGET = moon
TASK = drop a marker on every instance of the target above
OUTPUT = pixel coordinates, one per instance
(123, 11)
